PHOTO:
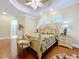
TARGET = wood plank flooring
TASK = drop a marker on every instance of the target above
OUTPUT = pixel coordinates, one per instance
(5, 51)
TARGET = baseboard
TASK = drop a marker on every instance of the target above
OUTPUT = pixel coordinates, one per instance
(8, 37)
(4, 38)
(76, 45)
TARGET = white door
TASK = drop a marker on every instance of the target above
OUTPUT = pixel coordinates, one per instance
(13, 28)
(13, 38)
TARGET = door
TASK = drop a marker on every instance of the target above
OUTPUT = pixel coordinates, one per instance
(13, 28)
(13, 38)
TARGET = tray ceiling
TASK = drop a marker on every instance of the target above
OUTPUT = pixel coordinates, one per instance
(44, 2)
(18, 7)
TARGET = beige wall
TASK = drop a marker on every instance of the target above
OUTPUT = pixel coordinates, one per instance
(5, 26)
(30, 25)
(20, 20)
(72, 13)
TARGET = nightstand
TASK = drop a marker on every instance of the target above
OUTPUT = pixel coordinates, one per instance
(65, 41)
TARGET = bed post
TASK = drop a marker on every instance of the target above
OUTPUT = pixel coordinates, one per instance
(39, 52)
(39, 55)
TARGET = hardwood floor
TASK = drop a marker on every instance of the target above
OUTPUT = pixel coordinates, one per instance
(5, 51)
(59, 49)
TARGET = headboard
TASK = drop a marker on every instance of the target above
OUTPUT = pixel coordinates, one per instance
(48, 30)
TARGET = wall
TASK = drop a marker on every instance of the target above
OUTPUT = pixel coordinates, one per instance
(71, 13)
(5, 27)
(20, 21)
(30, 25)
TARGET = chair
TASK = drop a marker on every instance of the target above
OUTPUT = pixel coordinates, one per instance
(23, 44)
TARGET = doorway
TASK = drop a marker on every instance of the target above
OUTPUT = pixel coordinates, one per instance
(14, 38)
(13, 28)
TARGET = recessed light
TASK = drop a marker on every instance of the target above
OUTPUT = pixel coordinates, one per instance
(41, 13)
(51, 9)
(4, 13)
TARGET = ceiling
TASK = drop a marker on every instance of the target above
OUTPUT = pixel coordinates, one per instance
(45, 2)
(14, 9)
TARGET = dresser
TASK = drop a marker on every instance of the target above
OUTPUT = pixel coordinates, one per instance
(65, 41)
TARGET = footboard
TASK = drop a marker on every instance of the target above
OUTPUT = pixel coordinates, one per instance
(46, 44)
(36, 46)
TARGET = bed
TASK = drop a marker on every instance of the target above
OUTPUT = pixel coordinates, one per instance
(44, 39)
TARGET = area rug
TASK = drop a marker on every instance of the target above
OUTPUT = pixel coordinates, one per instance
(65, 56)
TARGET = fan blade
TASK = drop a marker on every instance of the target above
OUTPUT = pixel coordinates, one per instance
(40, 4)
(30, 3)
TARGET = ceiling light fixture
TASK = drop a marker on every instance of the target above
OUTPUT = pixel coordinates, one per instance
(34, 4)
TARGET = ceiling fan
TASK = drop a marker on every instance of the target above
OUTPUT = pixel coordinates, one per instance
(34, 4)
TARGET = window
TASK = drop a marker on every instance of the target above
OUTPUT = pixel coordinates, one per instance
(58, 19)
(44, 22)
